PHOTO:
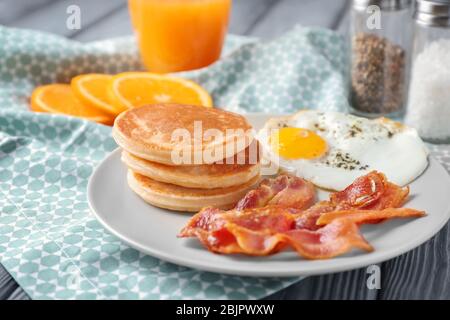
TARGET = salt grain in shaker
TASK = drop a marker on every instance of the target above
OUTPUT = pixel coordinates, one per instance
(429, 93)
(380, 39)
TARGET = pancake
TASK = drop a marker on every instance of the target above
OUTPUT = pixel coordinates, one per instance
(231, 172)
(177, 134)
(169, 196)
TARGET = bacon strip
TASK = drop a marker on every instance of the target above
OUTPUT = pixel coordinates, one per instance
(371, 191)
(268, 230)
(273, 217)
(368, 216)
(285, 190)
(257, 243)
(207, 219)
(336, 238)
(237, 231)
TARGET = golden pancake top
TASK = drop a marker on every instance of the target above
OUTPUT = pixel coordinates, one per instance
(153, 126)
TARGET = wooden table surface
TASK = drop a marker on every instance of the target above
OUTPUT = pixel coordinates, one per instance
(420, 274)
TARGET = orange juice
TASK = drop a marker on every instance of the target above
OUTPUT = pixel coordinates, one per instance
(177, 35)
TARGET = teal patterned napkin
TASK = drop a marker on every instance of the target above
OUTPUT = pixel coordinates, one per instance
(49, 241)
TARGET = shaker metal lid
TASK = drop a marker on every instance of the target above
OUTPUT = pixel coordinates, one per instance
(386, 5)
(433, 12)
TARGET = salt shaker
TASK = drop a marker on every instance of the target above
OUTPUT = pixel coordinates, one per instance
(380, 43)
(429, 93)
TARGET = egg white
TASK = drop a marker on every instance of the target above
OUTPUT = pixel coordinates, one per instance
(356, 146)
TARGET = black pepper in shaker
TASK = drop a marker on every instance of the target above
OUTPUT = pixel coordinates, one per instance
(379, 56)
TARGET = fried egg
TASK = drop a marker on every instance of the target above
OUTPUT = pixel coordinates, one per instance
(332, 149)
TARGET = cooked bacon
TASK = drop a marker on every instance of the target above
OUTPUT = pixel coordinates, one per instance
(257, 243)
(336, 238)
(368, 216)
(371, 191)
(238, 231)
(209, 227)
(267, 230)
(270, 218)
(207, 219)
(393, 197)
(285, 190)
(362, 192)
(279, 214)
(308, 218)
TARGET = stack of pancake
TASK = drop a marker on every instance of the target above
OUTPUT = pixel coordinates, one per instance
(177, 159)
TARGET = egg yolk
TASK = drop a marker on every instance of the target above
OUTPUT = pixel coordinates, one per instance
(297, 143)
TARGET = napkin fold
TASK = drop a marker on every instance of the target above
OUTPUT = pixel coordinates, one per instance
(49, 241)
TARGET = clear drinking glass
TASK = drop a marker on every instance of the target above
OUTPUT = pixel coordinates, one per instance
(179, 35)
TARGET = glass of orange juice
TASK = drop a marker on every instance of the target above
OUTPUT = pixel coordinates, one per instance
(179, 35)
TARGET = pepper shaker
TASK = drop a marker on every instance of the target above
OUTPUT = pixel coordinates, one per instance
(380, 41)
(429, 93)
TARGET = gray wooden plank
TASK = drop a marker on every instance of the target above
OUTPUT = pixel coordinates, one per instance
(349, 285)
(285, 14)
(19, 294)
(52, 17)
(107, 18)
(244, 14)
(114, 25)
(343, 25)
(11, 10)
(423, 273)
(7, 284)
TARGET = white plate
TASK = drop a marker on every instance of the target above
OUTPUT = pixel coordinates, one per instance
(153, 230)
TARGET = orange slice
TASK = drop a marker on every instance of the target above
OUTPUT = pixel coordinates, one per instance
(92, 90)
(59, 98)
(134, 89)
